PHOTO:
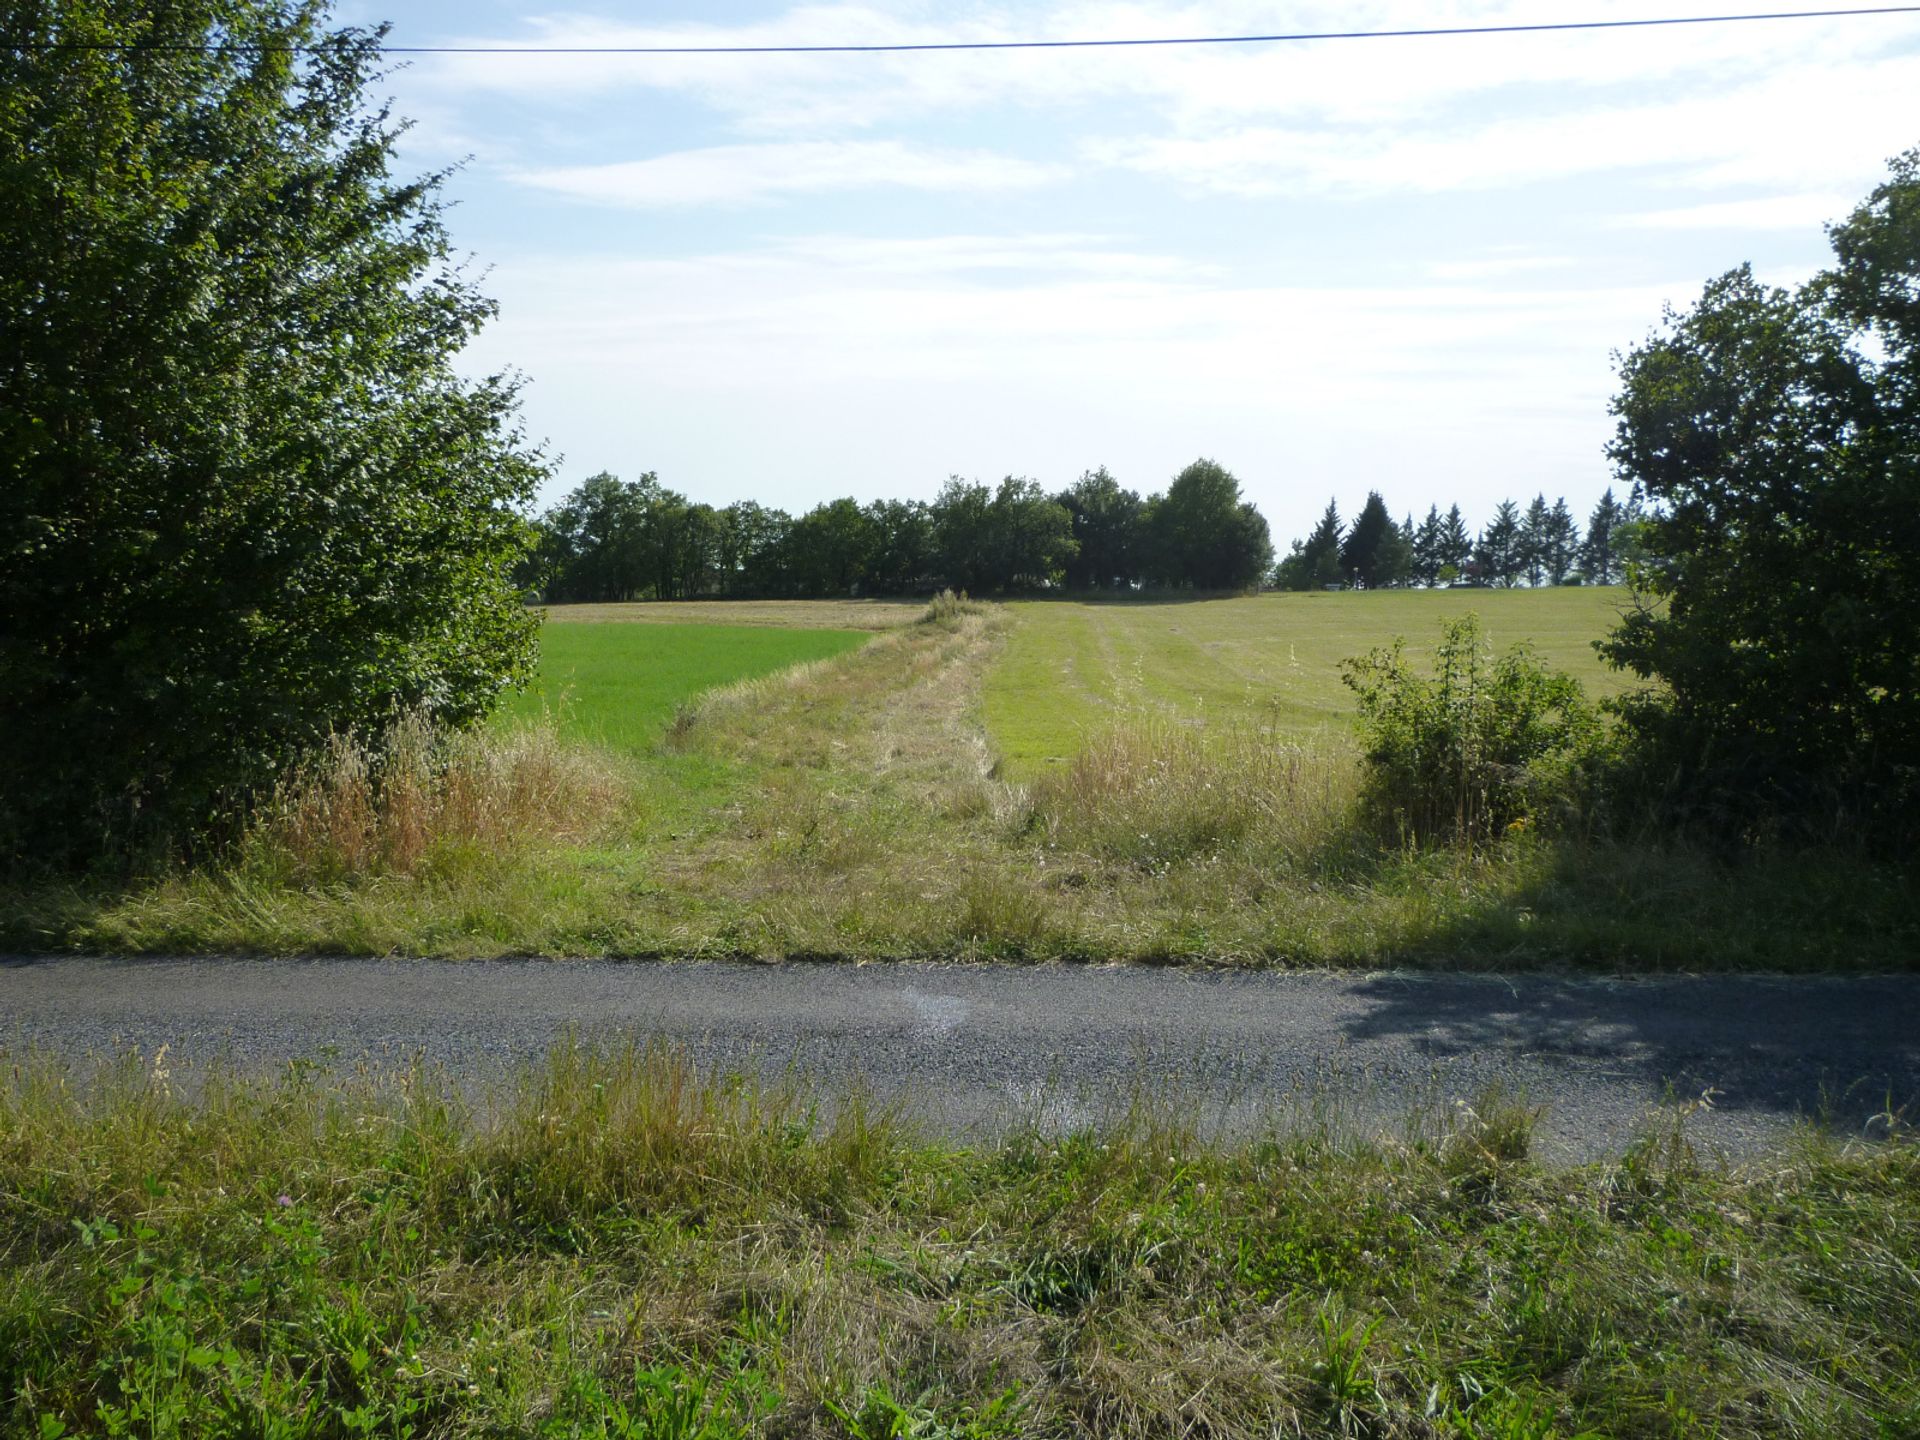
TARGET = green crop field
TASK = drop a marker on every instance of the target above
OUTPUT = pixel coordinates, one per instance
(1072, 670)
(618, 685)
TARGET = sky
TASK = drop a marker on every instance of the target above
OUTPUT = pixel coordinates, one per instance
(1401, 265)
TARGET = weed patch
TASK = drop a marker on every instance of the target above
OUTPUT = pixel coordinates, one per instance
(618, 1244)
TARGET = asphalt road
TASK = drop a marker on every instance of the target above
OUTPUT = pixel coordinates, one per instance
(973, 1048)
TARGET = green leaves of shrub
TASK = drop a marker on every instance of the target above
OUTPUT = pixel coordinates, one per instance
(1481, 748)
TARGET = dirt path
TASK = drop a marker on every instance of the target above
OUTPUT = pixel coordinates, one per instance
(975, 1047)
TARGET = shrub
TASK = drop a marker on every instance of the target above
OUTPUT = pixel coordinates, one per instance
(246, 495)
(1474, 751)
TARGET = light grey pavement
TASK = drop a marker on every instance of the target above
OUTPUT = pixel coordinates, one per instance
(975, 1046)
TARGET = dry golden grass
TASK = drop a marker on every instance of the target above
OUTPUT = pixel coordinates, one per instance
(1157, 792)
(386, 806)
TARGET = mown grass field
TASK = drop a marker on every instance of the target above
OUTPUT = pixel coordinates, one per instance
(906, 797)
(1074, 669)
(621, 1247)
(618, 685)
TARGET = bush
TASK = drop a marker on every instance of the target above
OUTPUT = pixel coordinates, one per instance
(246, 498)
(1775, 438)
(1478, 749)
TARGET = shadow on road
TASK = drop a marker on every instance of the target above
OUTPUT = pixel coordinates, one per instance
(1844, 1050)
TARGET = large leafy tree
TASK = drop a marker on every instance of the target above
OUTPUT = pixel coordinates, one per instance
(1775, 437)
(1106, 526)
(1202, 535)
(244, 496)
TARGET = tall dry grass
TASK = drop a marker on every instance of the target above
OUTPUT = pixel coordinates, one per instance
(1156, 793)
(388, 804)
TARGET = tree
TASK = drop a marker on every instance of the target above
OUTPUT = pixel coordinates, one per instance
(1532, 543)
(1428, 551)
(1359, 553)
(1599, 555)
(1775, 437)
(1314, 563)
(1012, 537)
(1106, 526)
(1393, 557)
(1456, 544)
(1561, 548)
(1202, 535)
(245, 496)
(903, 559)
(832, 547)
(1498, 552)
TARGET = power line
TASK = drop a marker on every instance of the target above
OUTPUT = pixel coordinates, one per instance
(1425, 32)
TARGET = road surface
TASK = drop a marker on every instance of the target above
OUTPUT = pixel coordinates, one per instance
(973, 1048)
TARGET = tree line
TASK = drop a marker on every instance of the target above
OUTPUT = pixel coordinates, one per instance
(613, 539)
(1541, 545)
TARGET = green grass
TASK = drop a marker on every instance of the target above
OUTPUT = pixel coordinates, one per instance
(1074, 669)
(625, 1247)
(619, 685)
(860, 808)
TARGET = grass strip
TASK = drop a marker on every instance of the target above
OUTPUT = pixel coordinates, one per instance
(622, 1246)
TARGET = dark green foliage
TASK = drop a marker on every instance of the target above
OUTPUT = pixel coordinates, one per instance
(244, 497)
(1483, 745)
(1314, 563)
(1775, 436)
(1201, 535)
(1107, 528)
(1602, 555)
(1369, 551)
(1013, 537)
(1455, 551)
(1498, 552)
(614, 540)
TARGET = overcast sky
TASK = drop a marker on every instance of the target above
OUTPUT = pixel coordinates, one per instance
(1333, 267)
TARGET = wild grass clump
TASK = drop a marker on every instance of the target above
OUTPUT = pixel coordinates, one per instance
(623, 1244)
(947, 608)
(387, 805)
(1158, 794)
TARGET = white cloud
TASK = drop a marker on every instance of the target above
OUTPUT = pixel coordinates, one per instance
(1495, 267)
(1773, 212)
(1790, 128)
(789, 349)
(731, 174)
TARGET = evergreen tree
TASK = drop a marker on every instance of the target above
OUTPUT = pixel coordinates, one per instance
(1360, 553)
(1563, 543)
(1498, 551)
(1456, 544)
(1393, 557)
(1532, 543)
(1427, 551)
(1600, 554)
(1314, 562)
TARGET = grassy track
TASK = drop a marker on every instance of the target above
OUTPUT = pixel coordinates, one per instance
(1072, 670)
(618, 685)
(625, 1248)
